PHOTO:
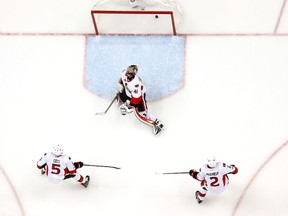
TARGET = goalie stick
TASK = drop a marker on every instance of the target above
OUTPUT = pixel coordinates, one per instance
(93, 165)
(103, 113)
(171, 173)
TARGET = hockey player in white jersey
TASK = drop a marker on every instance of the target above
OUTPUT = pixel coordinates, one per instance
(59, 167)
(213, 177)
(132, 98)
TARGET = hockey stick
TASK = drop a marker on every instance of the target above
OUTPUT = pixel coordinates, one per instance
(172, 173)
(103, 113)
(101, 166)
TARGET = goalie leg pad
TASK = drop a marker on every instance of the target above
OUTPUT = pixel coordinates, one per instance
(158, 127)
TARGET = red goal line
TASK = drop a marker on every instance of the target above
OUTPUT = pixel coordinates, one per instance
(132, 12)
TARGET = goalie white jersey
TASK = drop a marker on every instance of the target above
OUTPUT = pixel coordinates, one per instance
(134, 88)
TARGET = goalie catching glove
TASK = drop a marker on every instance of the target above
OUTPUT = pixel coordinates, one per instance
(125, 108)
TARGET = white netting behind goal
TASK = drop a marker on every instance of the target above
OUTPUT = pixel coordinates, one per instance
(120, 18)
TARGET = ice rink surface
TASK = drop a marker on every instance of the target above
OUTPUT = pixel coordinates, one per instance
(233, 104)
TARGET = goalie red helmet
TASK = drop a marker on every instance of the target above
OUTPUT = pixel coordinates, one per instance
(211, 161)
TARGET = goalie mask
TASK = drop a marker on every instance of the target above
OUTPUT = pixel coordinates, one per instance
(131, 72)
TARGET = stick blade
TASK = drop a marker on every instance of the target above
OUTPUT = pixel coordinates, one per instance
(100, 113)
(116, 167)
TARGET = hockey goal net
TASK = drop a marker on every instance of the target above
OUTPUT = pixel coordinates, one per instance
(158, 17)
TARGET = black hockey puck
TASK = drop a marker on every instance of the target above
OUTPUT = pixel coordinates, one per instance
(156, 16)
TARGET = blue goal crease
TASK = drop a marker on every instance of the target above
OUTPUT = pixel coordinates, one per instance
(160, 60)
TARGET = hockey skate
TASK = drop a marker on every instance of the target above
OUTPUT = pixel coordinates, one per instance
(42, 171)
(197, 197)
(86, 183)
(158, 127)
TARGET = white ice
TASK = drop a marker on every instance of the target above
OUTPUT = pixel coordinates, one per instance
(233, 105)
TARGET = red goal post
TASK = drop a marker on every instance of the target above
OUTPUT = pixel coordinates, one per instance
(169, 13)
(153, 17)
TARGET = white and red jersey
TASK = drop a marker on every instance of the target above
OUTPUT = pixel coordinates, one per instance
(216, 179)
(56, 167)
(133, 88)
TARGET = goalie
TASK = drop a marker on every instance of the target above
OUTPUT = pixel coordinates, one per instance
(132, 98)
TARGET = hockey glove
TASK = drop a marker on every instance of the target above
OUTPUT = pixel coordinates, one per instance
(78, 164)
(193, 173)
(235, 170)
(125, 108)
(119, 88)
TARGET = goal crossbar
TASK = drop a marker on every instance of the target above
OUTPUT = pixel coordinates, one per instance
(132, 12)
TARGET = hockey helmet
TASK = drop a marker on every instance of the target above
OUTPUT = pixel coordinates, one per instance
(57, 150)
(211, 161)
(132, 69)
